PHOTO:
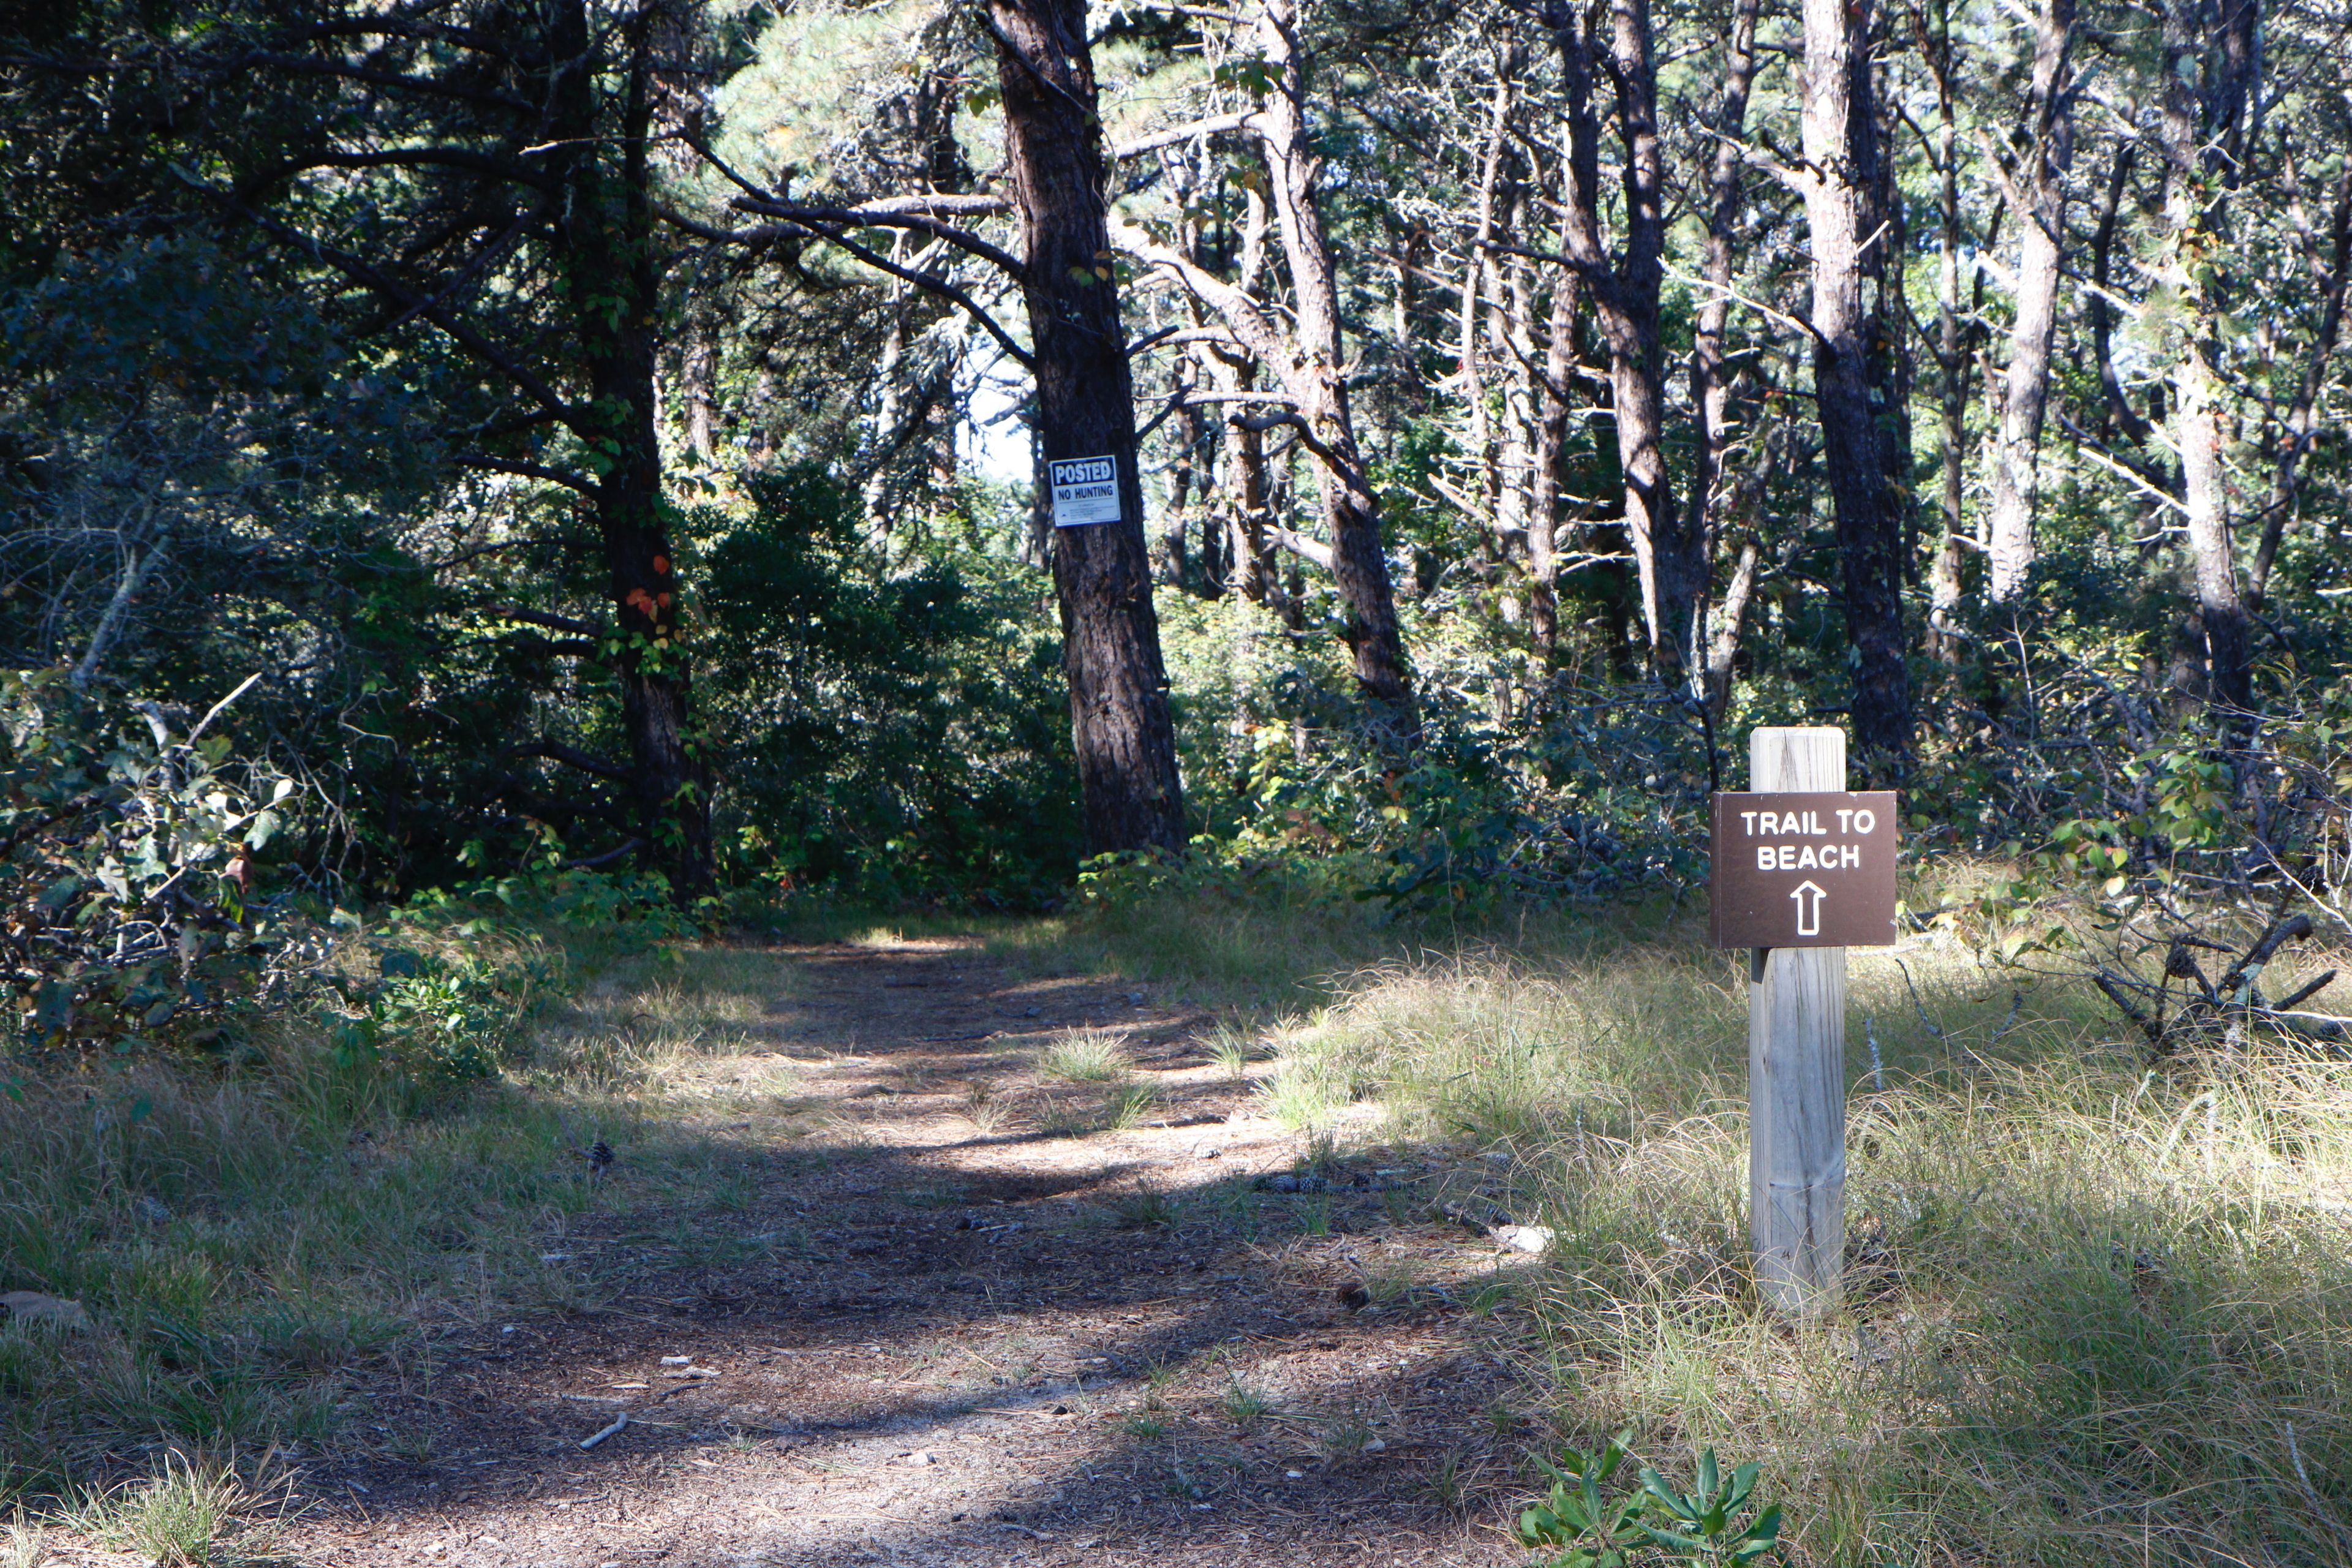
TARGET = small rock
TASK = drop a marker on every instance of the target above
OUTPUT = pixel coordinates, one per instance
(1136, 997)
(921, 1456)
(1524, 1238)
(1206, 1152)
(1375, 1445)
(678, 1360)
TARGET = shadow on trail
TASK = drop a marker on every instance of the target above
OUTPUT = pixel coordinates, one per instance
(967, 1346)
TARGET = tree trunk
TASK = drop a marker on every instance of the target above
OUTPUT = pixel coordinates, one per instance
(1945, 571)
(1477, 286)
(2041, 224)
(606, 239)
(1510, 328)
(1710, 391)
(1842, 150)
(1729, 626)
(1359, 567)
(1625, 296)
(1553, 412)
(2197, 431)
(1125, 739)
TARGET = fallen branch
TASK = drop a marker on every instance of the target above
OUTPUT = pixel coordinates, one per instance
(595, 1438)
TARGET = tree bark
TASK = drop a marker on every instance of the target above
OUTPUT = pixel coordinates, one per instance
(2197, 430)
(1729, 626)
(1554, 410)
(1840, 186)
(1710, 389)
(1119, 718)
(605, 236)
(1317, 379)
(1625, 294)
(2041, 224)
(1944, 572)
(1477, 286)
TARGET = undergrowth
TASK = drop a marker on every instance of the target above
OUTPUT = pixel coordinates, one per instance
(2095, 1314)
(251, 1235)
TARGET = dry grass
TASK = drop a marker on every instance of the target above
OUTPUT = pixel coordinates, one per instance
(244, 1240)
(1086, 1056)
(2096, 1315)
(2101, 1317)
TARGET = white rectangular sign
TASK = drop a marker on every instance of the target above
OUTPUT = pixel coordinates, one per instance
(1086, 489)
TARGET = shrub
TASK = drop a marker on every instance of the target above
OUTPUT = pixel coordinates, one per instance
(134, 903)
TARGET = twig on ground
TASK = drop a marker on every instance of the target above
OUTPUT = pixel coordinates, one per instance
(594, 1438)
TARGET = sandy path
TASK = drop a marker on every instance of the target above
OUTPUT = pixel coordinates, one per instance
(932, 1335)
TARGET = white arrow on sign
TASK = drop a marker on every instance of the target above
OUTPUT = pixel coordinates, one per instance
(1809, 913)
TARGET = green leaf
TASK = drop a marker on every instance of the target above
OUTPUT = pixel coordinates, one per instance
(53, 1006)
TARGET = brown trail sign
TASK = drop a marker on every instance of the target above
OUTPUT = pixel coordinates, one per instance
(1803, 870)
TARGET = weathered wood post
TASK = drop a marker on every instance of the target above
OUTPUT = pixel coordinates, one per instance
(1803, 870)
(1796, 1070)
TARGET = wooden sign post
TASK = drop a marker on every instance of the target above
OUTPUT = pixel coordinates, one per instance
(1800, 865)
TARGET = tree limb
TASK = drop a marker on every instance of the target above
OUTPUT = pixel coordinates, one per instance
(556, 751)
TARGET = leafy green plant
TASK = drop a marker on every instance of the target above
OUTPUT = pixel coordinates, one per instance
(439, 1025)
(1706, 1524)
(1714, 1523)
(1578, 1517)
(131, 873)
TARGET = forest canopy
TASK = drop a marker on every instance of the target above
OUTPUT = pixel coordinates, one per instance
(607, 438)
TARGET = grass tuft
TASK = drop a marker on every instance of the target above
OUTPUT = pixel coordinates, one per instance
(1245, 1404)
(194, 1515)
(26, 1542)
(1085, 1055)
(1144, 1206)
(1127, 1105)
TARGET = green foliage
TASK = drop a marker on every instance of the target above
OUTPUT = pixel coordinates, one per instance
(1708, 1526)
(898, 727)
(135, 887)
(440, 1025)
(1565, 792)
(1590, 1531)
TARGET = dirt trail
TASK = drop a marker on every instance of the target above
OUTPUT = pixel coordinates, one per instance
(933, 1333)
